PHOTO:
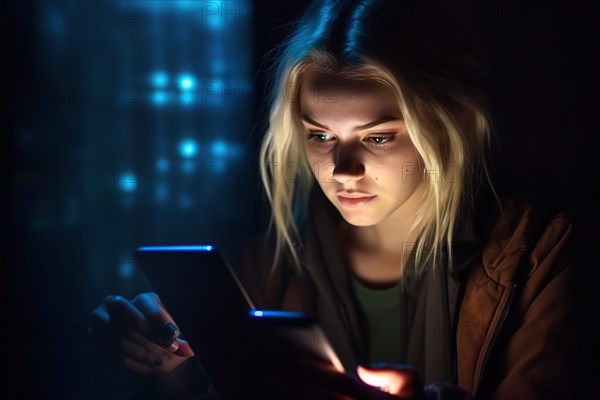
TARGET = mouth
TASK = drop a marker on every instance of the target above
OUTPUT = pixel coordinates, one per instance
(355, 200)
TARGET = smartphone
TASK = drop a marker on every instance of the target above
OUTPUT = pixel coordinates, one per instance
(239, 346)
(210, 306)
(291, 333)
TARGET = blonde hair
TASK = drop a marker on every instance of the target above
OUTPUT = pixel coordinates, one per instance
(445, 120)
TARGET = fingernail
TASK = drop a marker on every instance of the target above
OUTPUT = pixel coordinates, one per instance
(170, 329)
(158, 361)
(171, 345)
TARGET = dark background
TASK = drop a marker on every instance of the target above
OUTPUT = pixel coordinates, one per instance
(137, 122)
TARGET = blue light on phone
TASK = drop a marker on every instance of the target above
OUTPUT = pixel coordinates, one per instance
(206, 247)
(277, 313)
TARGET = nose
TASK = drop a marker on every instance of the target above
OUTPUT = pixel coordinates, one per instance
(348, 166)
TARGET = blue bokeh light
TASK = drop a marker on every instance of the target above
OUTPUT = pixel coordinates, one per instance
(126, 269)
(188, 148)
(219, 148)
(160, 97)
(213, 14)
(159, 79)
(188, 166)
(128, 182)
(162, 164)
(186, 98)
(164, 5)
(214, 21)
(186, 82)
(217, 66)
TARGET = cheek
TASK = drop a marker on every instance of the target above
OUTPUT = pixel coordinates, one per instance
(397, 170)
(319, 163)
(310, 156)
(311, 160)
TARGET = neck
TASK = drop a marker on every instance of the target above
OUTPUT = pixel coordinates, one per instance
(377, 255)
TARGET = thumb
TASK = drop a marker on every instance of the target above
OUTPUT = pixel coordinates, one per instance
(184, 349)
(403, 382)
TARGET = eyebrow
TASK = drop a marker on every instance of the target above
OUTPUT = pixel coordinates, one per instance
(368, 125)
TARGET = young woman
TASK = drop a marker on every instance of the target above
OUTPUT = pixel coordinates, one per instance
(386, 226)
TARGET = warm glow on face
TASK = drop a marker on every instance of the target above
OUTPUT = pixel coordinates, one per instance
(358, 148)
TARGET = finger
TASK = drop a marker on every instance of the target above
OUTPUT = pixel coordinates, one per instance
(162, 327)
(148, 344)
(99, 323)
(403, 382)
(141, 349)
(134, 350)
(184, 350)
(183, 347)
(136, 366)
(113, 316)
(123, 315)
(381, 379)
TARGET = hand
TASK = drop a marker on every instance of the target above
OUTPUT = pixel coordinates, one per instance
(315, 379)
(399, 380)
(139, 335)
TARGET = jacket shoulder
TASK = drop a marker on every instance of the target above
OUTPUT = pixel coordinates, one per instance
(525, 231)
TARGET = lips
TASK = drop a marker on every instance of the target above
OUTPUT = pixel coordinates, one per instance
(352, 199)
(353, 194)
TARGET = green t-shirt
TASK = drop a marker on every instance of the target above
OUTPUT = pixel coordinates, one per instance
(382, 310)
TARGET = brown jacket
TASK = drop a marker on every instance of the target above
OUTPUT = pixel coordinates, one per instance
(511, 327)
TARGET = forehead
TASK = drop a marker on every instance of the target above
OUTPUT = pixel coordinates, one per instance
(319, 90)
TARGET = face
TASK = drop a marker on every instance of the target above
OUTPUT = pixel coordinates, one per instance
(359, 150)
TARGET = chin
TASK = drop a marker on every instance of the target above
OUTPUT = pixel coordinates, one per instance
(360, 220)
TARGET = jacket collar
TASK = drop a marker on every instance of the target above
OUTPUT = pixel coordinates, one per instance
(471, 229)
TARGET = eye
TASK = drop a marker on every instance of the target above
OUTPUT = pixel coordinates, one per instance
(319, 138)
(379, 141)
